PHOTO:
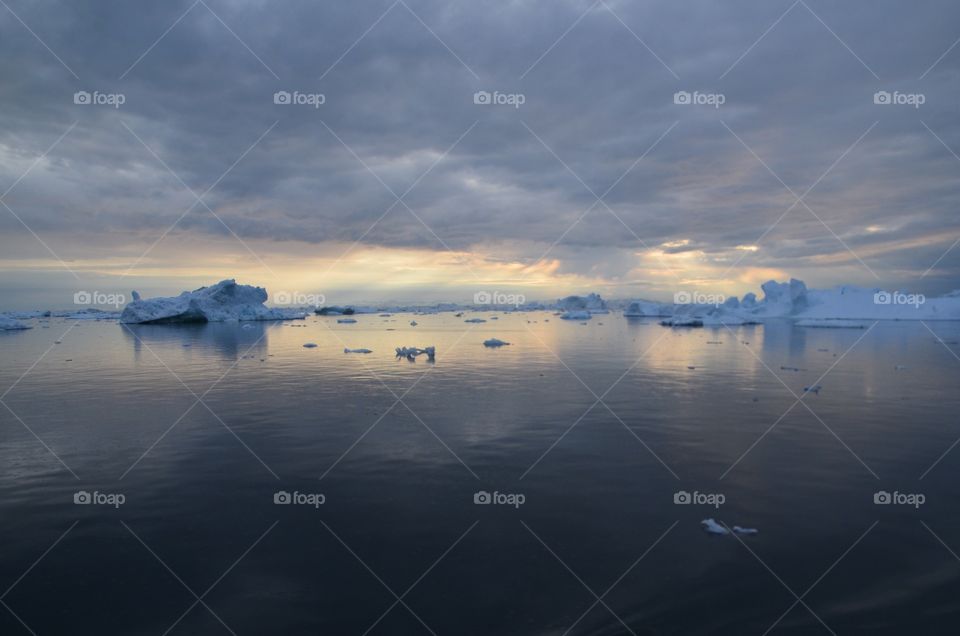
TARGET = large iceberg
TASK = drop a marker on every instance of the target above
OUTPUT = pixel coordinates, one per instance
(591, 302)
(218, 303)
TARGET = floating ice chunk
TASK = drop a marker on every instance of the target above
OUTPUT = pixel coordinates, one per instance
(494, 342)
(682, 321)
(310, 345)
(474, 320)
(346, 321)
(713, 527)
(357, 351)
(411, 353)
(742, 530)
(221, 302)
(812, 389)
(10, 324)
(576, 315)
(413, 323)
(832, 323)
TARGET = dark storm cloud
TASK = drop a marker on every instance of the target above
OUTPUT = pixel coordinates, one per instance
(399, 98)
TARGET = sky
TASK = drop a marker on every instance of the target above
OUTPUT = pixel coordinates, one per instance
(421, 150)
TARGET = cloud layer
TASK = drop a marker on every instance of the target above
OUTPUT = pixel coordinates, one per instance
(598, 173)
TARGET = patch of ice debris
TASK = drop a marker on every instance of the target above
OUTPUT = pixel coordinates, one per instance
(225, 301)
(346, 321)
(576, 315)
(411, 353)
(494, 342)
(357, 351)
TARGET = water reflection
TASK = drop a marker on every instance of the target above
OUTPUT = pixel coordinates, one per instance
(227, 339)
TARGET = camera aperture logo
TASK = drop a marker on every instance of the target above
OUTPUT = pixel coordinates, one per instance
(99, 298)
(698, 298)
(498, 298)
(898, 298)
(884, 498)
(296, 98)
(496, 98)
(483, 498)
(896, 98)
(697, 498)
(696, 98)
(97, 498)
(297, 498)
(96, 98)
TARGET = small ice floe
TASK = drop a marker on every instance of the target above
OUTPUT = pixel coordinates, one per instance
(832, 323)
(347, 321)
(494, 317)
(459, 314)
(411, 353)
(812, 389)
(345, 350)
(783, 368)
(247, 326)
(474, 320)
(691, 368)
(682, 321)
(10, 324)
(385, 315)
(713, 527)
(494, 342)
(310, 345)
(576, 315)
(413, 323)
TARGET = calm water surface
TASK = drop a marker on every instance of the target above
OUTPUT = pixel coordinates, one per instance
(199, 426)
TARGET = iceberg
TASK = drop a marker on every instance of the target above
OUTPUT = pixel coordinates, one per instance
(11, 324)
(592, 303)
(576, 315)
(643, 308)
(494, 342)
(225, 301)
